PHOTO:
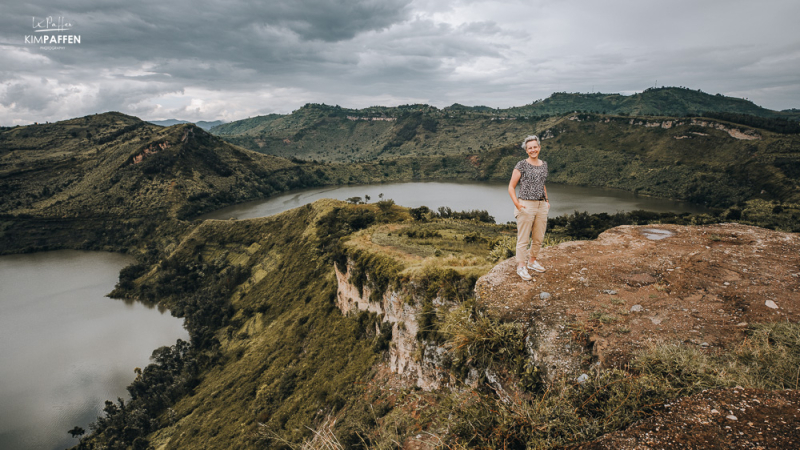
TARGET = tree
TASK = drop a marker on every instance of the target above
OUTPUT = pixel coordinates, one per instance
(354, 200)
(385, 205)
(77, 432)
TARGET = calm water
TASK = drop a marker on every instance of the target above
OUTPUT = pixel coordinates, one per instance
(65, 348)
(492, 197)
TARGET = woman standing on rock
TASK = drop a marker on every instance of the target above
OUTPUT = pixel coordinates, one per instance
(531, 206)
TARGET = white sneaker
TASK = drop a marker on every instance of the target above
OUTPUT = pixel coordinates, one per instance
(523, 273)
(536, 266)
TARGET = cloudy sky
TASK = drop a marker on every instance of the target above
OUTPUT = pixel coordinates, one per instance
(228, 60)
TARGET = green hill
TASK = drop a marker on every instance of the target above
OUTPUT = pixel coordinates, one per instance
(665, 101)
(335, 134)
(701, 159)
(93, 181)
(114, 165)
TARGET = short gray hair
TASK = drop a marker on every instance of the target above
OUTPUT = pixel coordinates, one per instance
(532, 137)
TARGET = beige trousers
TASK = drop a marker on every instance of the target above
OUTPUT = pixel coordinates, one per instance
(531, 224)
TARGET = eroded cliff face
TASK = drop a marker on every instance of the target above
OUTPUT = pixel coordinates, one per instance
(415, 359)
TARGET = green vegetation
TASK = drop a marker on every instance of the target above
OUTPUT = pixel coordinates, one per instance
(732, 155)
(259, 296)
(478, 342)
(261, 314)
(114, 167)
(529, 415)
(700, 163)
(259, 301)
(778, 125)
(666, 101)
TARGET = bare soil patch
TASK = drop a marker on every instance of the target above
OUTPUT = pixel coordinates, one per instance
(715, 419)
(638, 285)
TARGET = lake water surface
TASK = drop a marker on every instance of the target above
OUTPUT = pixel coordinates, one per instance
(493, 197)
(65, 348)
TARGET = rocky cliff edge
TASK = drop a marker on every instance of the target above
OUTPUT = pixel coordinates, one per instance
(601, 301)
(640, 285)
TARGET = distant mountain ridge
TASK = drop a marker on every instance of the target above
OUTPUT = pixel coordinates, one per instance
(202, 123)
(719, 158)
(664, 101)
(335, 134)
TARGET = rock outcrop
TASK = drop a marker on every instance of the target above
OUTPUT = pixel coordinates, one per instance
(600, 301)
(408, 356)
(747, 134)
(640, 285)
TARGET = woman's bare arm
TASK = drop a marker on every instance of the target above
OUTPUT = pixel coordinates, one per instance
(512, 188)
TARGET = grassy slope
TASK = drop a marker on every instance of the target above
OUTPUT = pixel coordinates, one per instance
(75, 183)
(289, 359)
(278, 368)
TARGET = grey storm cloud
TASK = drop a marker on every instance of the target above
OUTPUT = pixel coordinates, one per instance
(206, 60)
(27, 96)
(250, 34)
(184, 20)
